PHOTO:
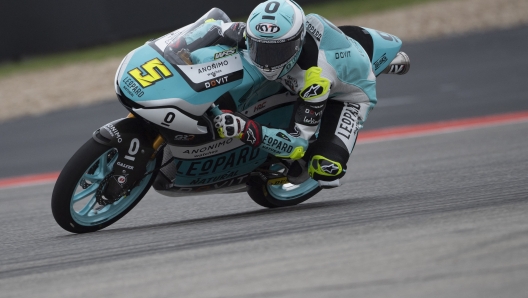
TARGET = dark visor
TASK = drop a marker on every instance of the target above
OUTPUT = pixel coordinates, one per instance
(271, 55)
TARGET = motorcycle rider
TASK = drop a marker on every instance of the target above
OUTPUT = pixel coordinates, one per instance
(333, 77)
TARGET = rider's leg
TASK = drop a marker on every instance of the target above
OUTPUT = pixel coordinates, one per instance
(328, 156)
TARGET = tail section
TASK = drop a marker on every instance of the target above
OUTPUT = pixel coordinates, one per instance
(400, 65)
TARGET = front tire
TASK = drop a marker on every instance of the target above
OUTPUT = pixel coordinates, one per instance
(73, 202)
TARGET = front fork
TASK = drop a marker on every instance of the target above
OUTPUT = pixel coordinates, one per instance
(137, 143)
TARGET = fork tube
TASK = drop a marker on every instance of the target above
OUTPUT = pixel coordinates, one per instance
(157, 143)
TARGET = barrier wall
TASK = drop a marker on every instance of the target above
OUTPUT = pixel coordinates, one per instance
(31, 27)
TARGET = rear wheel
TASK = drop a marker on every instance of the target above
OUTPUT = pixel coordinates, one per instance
(74, 204)
(272, 196)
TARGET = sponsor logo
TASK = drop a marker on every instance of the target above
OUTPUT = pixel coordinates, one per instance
(267, 28)
(310, 121)
(312, 91)
(283, 136)
(251, 137)
(313, 31)
(213, 66)
(277, 146)
(214, 179)
(121, 179)
(225, 53)
(214, 73)
(150, 72)
(259, 107)
(330, 169)
(341, 55)
(278, 181)
(132, 87)
(184, 137)
(218, 163)
(252, 133)
(216, 82)
(112, 130)
(380, 61)
(395, 69)
(125, 165)
(208, 150)
(313, 113)
(309, 114)
(348, 125)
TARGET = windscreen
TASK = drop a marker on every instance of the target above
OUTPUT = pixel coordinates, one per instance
(205, 32)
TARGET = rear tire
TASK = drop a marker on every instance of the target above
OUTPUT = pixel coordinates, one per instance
(73, 202)
(273, 196)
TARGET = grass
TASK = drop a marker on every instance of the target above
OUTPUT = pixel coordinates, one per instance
(330, 10)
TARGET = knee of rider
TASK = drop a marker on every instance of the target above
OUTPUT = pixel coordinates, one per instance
(328, 164)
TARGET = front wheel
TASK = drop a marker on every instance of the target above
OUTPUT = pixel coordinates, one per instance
(272, 196)
(74, 204)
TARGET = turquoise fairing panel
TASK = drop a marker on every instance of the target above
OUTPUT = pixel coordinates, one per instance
(254, 86)
(386, 46)
(251, 77)
(232, 164)
(172, 86)
(278, 118)
(218, 168)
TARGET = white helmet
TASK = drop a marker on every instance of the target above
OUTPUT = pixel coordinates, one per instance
(275, 34)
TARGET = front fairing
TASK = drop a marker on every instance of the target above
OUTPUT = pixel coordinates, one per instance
(146, 77)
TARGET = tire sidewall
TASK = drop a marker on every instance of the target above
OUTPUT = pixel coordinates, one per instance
(67, 183)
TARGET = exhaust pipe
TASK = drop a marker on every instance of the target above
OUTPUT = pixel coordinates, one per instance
(400, 65)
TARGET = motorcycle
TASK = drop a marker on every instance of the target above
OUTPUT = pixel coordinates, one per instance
(168, 140)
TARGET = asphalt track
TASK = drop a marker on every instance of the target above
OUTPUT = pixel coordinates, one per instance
(436, 215)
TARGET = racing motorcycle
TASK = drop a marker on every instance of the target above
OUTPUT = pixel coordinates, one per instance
(168, 140)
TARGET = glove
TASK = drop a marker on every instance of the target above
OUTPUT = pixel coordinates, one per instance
(229, 125)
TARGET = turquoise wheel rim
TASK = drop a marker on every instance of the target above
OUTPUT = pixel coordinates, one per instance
(83, 206)
(287, 192)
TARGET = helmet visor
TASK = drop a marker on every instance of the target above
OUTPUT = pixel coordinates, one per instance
(272, 55)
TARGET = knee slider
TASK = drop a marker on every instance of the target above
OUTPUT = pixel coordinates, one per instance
(325, 169)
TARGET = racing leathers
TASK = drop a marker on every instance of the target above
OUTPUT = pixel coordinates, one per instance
(336, 90)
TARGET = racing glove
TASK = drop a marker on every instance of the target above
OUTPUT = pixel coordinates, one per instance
(230, 125)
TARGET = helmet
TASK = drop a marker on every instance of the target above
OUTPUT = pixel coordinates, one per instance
(275, 34)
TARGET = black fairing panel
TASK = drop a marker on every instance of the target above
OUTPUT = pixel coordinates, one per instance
(133, 139)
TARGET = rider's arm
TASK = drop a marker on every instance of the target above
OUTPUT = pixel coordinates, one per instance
(291, 144)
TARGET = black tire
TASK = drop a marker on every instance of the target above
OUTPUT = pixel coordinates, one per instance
(68, 182)
(259, 192)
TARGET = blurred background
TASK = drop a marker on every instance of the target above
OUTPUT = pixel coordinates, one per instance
(37, 27)
(63, 53)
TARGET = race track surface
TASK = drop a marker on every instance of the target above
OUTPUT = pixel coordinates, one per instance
(439, 215)
(433, 216)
